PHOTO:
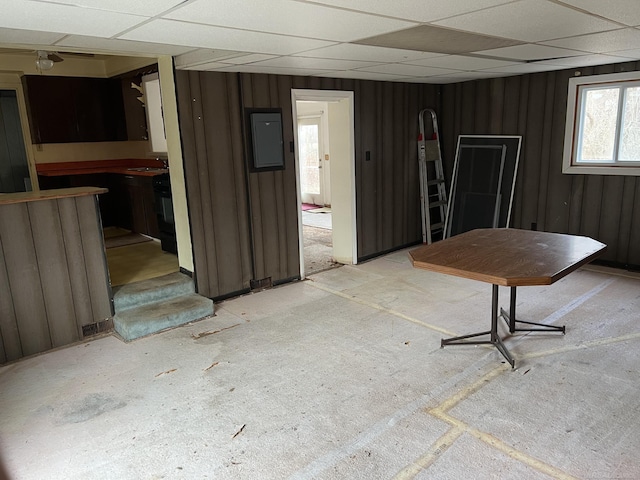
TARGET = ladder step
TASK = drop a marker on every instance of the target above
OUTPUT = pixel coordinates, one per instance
(435, 182)
(437, 204)
(436, 226)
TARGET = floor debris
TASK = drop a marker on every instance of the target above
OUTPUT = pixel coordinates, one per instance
(239, 431)
(212, 332)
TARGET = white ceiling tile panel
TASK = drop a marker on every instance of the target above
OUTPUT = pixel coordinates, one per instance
(530, 21)
(600, 42)
(49, 17)
(251, 68)
(529, 52)
(251, 58)
(415, 10)
(289, 18)
(359, 74)
(147, 8)
(586, 60)
(525, 68)
(460, 62)
(351, 51)
(28, 37)
(202, 67)
(623, 11)
(632, 53)
(95, 44)
(205, 36)
(407, 70)
(206, 55)
(317, 63)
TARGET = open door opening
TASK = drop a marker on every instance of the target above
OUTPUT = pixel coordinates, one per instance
(325, 167)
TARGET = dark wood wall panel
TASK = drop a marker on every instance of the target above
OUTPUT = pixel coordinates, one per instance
(387, 188)
(53, 278)
(210, 125)
(534, 106)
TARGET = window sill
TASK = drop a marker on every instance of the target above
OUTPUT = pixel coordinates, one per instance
(601, 170)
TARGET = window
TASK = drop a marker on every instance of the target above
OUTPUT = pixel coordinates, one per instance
(602, 134)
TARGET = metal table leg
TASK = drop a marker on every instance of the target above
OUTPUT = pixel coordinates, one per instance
(494, 339)
(510, 319)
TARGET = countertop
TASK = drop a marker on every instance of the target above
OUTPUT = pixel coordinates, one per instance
(131, 166)
(23, 197)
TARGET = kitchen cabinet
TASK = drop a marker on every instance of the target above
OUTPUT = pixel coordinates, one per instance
(74, 109)
(139, 192)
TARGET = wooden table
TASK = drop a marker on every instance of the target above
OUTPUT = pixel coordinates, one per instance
(511, 258)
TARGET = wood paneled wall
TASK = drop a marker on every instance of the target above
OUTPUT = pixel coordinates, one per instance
(216, 180)
(603, 207)
(244, 225)
(53, 274)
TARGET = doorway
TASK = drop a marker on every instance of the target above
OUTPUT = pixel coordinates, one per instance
(325, 172)
(14, 165)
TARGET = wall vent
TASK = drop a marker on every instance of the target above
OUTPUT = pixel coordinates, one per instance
(261, 284)
(97, 327)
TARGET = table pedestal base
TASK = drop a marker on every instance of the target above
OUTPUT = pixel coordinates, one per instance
(510, 319)
(494, 339)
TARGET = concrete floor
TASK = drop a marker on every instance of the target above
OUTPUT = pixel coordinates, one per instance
(342, 376)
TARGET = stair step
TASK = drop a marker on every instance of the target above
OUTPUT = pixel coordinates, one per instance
(152, 290)
(146, 319)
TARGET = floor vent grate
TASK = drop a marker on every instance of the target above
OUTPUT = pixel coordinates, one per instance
(97, 327)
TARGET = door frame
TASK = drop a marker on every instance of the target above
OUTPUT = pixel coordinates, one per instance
(343, 184)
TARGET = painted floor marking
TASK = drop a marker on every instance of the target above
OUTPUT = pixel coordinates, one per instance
(378, 307)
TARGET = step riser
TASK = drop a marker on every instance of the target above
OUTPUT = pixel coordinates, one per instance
(142, 329)
(126, 298)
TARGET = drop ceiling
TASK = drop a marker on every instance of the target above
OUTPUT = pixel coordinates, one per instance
(423, 41)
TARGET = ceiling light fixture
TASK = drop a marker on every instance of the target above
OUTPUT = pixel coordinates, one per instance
(43, 62)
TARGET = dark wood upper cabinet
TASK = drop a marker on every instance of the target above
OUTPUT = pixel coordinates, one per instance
(75, 109)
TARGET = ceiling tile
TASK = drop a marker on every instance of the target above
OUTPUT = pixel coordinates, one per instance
(28, 37)
(96, 44)
(633, 53)
(205, 36)
(352, 51)
(407, 70)
(601, 42)
(251, 68)
(250, 58)
(412, 10)
(529, 52)
(48, 17)
(288, 17)
(203, 67)
(525, 68)
(529, 20)
(623, 11)
(361, 75)
(460, 62)
(430, 38)
(205, 55)
(317, 63)
(148, 8)
(586, 60)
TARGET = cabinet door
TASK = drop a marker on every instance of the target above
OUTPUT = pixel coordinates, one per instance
(75, 109)
(52, 117)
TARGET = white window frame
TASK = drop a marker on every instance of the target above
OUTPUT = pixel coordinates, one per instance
(572, 135)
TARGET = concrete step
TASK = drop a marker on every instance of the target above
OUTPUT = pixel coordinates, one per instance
(136, 322)
(152, 290)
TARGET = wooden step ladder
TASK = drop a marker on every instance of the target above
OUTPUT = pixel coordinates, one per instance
(433, 192)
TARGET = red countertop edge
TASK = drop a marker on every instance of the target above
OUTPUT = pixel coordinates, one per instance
(121, 166)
